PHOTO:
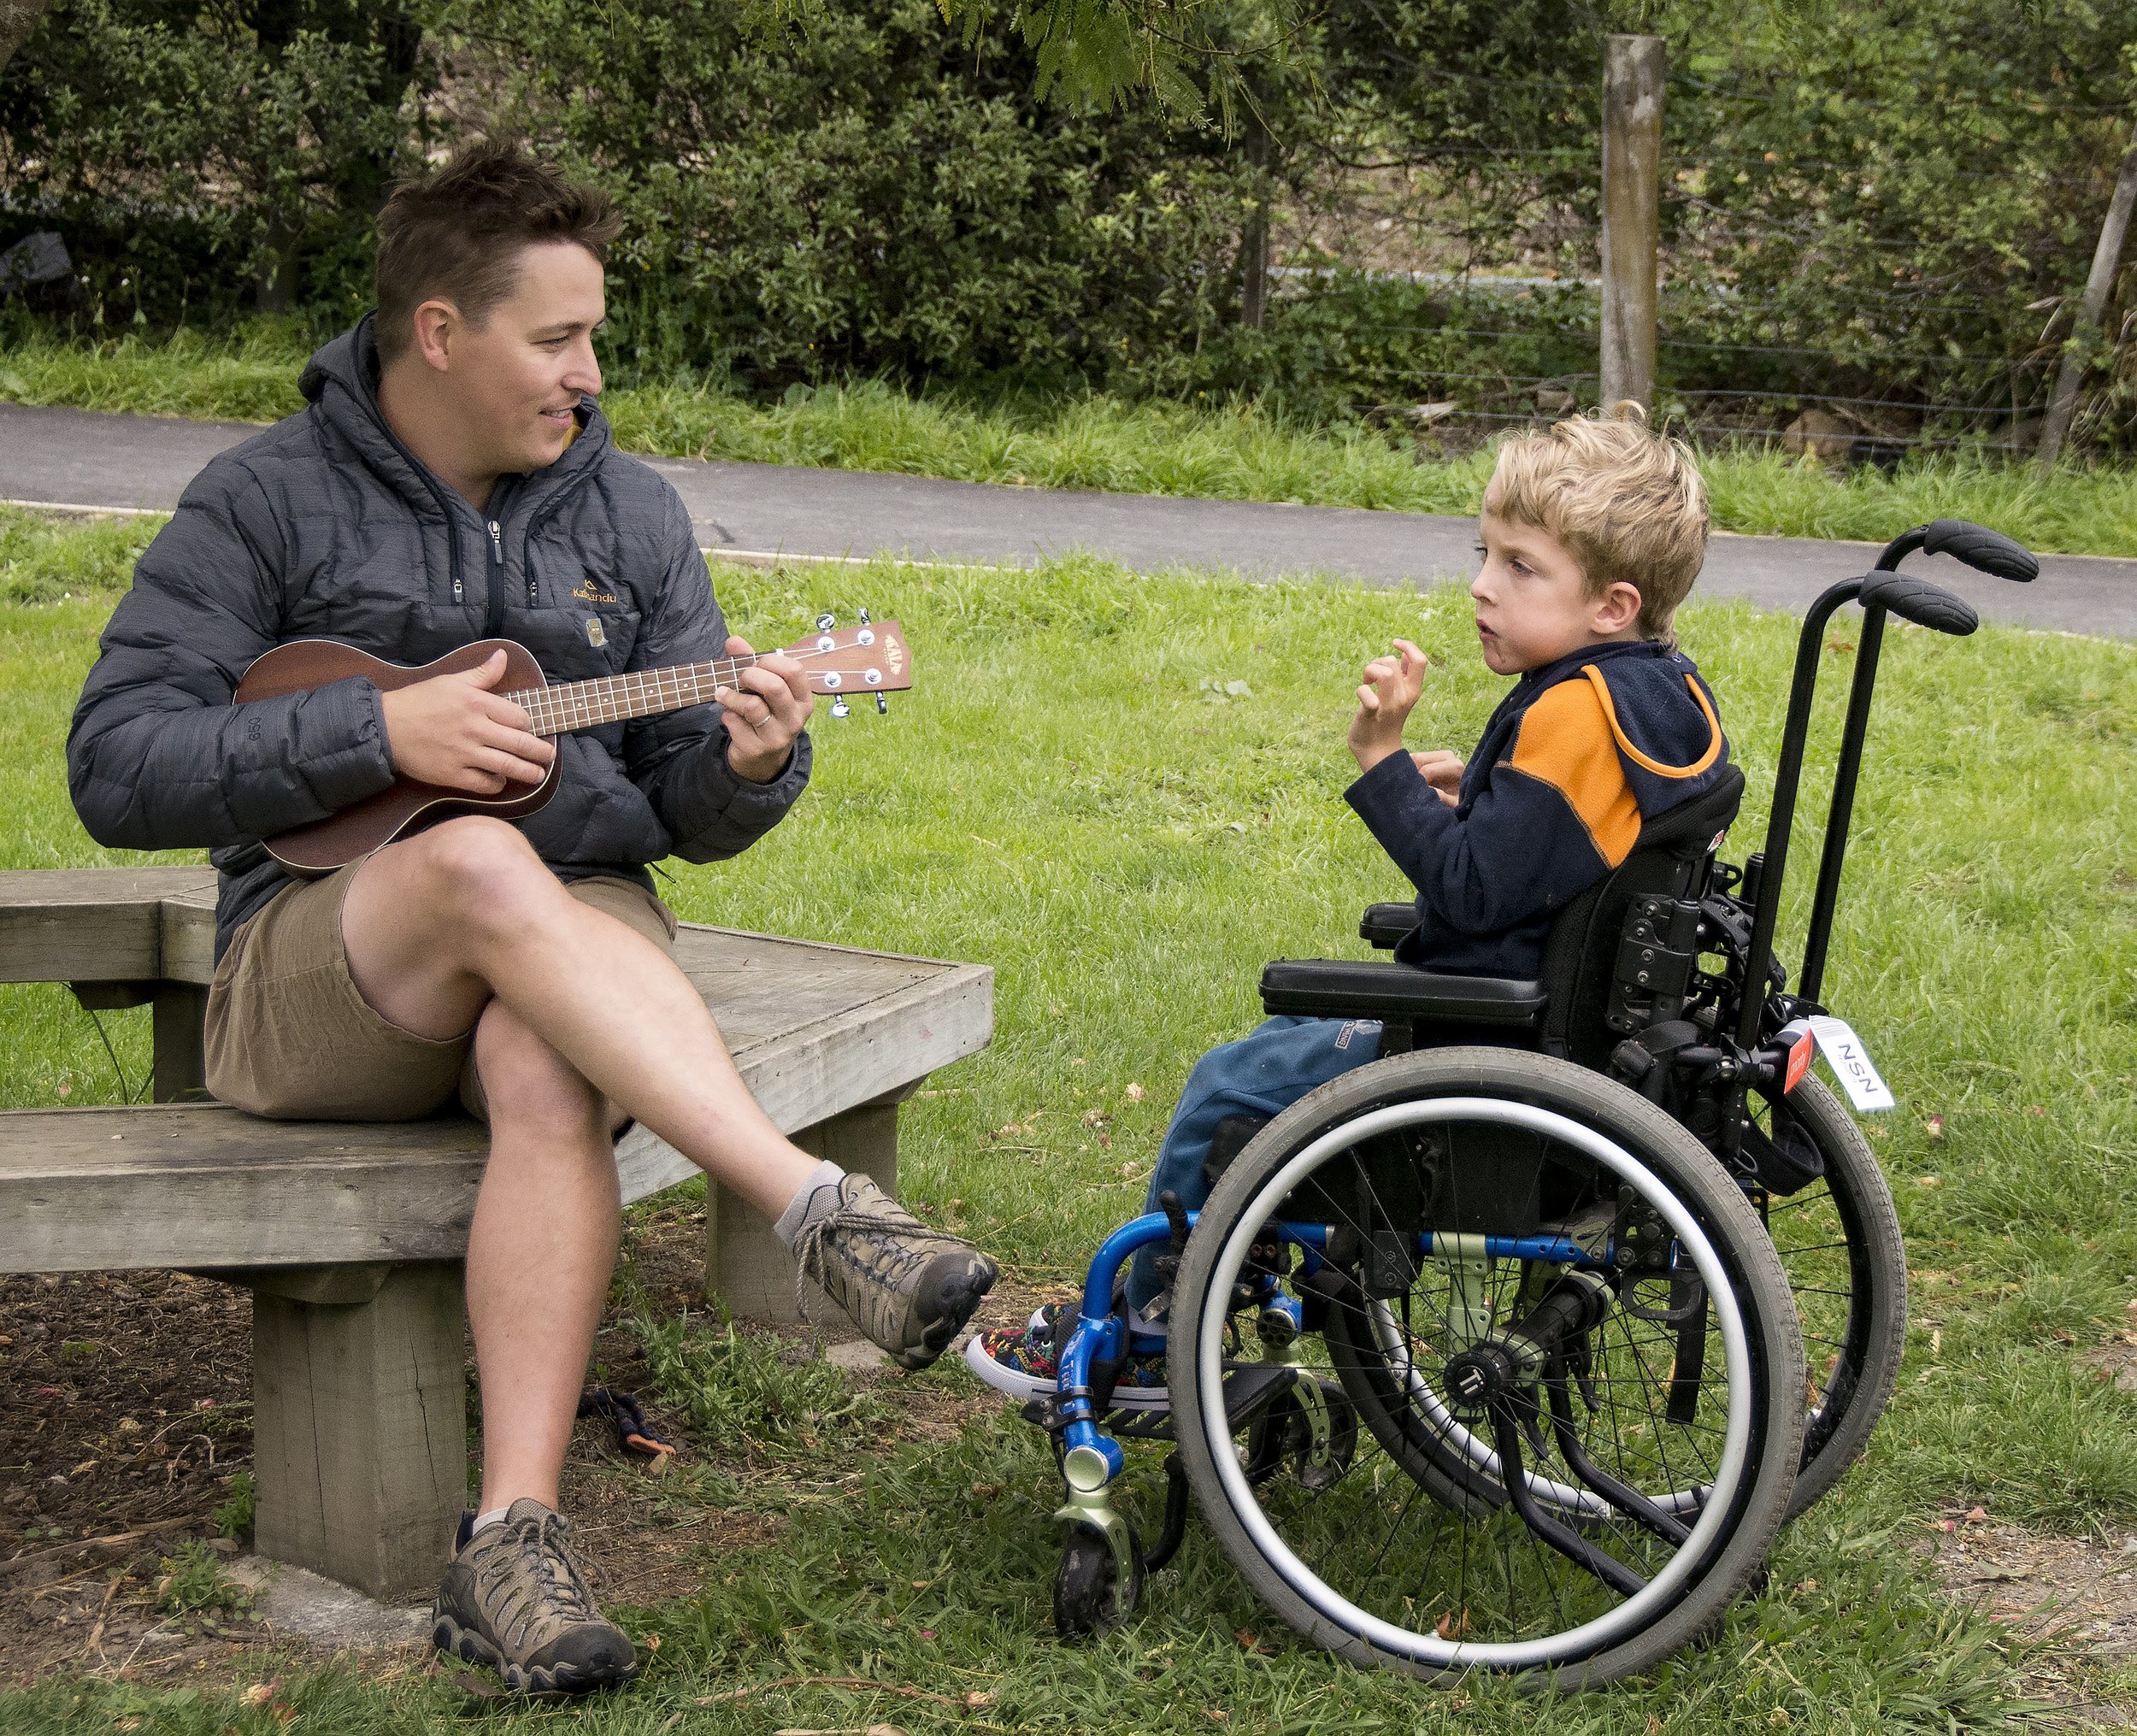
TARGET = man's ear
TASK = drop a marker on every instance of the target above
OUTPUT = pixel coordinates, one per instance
(1618, 609)
(436, 322)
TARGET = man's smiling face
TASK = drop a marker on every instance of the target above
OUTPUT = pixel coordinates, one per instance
(520, 374)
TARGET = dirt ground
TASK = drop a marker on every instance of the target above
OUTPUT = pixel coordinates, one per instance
(127, 1412)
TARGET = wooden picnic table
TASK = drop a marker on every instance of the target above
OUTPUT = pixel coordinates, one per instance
(349, 1234)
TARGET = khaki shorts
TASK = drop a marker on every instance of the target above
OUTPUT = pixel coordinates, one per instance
(289, 1036)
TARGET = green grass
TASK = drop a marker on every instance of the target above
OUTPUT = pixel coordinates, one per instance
(1063, 798)
(1231, 451)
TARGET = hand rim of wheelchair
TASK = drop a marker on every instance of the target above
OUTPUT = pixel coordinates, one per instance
(1628, 1617)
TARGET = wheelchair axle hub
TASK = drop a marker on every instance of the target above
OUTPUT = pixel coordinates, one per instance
(1495, 1368)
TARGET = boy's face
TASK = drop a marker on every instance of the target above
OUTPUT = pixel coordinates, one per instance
(1531, 599)
(516, 378)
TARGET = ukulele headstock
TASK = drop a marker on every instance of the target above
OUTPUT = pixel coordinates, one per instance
(871, 656)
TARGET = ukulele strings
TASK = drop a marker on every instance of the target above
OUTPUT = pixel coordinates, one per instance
(562, 696)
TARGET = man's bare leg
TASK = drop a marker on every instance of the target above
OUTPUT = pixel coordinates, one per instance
(463, 923)
(539, 1254)
(439, 925)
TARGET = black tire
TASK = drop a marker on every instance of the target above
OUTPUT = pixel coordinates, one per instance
(1690, 1579)
(1853, 1344)
(1089, 1598)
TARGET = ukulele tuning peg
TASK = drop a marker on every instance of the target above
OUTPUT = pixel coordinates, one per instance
(826, 621)
(882, 705)
(840, 709)
(866, 617)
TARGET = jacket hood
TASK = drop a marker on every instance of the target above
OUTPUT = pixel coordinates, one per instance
(341, 382)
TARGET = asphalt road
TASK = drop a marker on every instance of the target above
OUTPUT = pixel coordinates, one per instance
(83, 458)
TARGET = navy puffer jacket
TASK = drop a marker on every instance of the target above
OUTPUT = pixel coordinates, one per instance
(326, 527)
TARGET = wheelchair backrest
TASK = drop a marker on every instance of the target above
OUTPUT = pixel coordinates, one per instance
(1581, 955)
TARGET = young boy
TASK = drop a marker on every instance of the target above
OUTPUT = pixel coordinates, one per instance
(1592, 533)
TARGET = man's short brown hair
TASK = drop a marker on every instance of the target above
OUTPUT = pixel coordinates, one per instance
(1624, 502)
(456, 234)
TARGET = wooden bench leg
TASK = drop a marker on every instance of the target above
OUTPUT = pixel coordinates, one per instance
(746, 1268)
(360, 1422)
(179, 1013)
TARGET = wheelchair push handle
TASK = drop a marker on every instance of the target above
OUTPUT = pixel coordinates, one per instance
(1981, 548)
(1918, 600)
(1883, 590)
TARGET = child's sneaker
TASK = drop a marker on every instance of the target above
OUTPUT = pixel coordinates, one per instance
(1025, 1363)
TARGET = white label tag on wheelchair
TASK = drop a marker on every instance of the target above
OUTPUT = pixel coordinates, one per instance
(1850, 1063)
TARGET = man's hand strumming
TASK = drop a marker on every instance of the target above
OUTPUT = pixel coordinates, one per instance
(452, 730)
(1385, 699)
(767, 707)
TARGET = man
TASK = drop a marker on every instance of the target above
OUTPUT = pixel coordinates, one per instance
(452, 479)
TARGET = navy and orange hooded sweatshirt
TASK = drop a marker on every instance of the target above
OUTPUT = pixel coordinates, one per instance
(1575, 760)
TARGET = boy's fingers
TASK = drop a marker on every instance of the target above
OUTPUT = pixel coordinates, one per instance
(489, 672)
(1368, 700)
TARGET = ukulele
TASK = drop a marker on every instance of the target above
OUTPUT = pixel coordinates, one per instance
(869, 658)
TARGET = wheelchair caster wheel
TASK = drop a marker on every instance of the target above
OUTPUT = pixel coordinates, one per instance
(1091, 1593)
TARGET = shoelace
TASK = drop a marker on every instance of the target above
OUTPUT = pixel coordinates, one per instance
(893, 1262)
(545, 1546)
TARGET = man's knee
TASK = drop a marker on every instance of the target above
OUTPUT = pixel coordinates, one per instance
(477, 870)
(527, 1087)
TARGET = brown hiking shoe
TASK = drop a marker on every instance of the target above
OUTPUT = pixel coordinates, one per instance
(516, 1598)
(910, 1288)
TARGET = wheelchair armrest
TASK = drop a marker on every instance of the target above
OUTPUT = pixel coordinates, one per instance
(1385, 925)
(1334, 989)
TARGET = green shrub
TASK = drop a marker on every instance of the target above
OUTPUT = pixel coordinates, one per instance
(234, 1518)
(872, 196)
(204, 159)
(194, 1583)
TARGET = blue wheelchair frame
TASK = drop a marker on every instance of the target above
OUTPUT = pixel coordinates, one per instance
(1091, 1459)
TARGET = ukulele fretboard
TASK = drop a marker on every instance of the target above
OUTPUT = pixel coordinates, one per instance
(572, 705)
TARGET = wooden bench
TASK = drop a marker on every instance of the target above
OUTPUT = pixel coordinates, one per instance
(350, 1235)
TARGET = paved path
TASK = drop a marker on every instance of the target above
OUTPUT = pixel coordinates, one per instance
(76, 457)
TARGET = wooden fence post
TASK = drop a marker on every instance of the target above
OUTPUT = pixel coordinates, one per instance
(2062, 407)
(1632, 199)
(1254, 235)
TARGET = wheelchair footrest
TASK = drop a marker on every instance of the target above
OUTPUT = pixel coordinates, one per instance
(1251, 1387)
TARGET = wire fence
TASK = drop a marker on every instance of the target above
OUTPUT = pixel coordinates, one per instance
(1866, 330)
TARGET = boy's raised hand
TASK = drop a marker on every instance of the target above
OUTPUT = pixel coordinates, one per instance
(1385, 699)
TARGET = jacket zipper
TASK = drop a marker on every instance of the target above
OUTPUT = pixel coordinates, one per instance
(541, 516)
(436, 492)
(494, 626)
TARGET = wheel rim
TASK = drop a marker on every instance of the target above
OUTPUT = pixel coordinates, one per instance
(1446, 1648)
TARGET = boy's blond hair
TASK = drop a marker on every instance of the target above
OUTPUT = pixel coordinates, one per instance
(1625, 503)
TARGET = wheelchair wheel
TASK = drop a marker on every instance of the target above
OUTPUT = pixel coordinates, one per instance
(1838, 1242)
(1090, 1595)
(1568, 1338)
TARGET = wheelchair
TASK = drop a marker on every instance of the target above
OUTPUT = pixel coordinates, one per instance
(1513, 1349)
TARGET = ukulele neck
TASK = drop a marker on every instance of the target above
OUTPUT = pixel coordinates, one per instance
(569, 705)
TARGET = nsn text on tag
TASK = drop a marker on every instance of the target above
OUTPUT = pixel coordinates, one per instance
(1850, 1063)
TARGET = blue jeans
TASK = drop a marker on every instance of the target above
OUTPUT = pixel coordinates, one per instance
(1263, 1073)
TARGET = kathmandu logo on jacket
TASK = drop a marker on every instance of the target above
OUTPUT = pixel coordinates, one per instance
(588, 591)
